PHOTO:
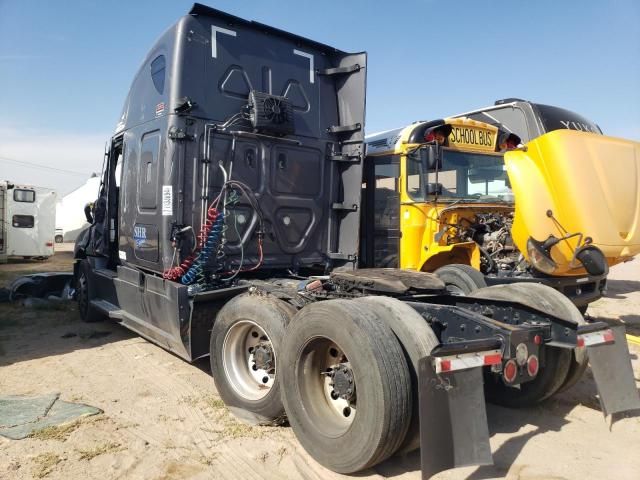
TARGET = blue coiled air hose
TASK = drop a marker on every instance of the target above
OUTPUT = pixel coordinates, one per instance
(209, 249)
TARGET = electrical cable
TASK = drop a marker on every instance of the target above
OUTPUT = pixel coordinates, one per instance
(44, 167)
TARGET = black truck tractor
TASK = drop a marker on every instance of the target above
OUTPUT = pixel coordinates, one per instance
(228, 226)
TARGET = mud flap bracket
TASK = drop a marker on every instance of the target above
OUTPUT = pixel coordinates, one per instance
(453, 419)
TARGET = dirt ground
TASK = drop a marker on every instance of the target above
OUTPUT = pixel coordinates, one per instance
(163, 419)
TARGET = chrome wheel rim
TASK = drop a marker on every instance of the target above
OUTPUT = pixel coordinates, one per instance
(248, 375)
(317, 366)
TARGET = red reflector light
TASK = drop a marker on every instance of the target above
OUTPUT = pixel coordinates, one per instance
(537, 340)
(445, 365)
(580, 342)
(608, 335)
(532, 366)
(493, 359)
(510, 371)
(49, 244)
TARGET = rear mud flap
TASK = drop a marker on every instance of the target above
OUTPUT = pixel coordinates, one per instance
(453, 419)
(611, 367)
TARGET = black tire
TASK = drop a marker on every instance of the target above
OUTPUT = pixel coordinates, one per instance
(555, 363)
(340, 442)
(58, 238)
(238, 387)
(85, 293)
(579, 356)
(461, 279)
(417, 339)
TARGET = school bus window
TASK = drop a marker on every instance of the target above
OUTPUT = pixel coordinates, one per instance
(23, 195)
(463, 175)
(386, 200)
(386, 235)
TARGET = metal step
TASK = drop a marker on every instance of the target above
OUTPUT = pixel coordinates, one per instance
(108, 309)
(105, 272)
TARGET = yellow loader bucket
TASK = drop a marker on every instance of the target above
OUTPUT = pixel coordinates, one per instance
(570, 182)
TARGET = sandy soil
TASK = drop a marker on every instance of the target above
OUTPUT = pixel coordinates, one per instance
(163, 419)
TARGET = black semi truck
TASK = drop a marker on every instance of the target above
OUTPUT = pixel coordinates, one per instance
(228, 226)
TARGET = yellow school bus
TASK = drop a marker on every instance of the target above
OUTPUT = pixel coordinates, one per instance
(467, 200)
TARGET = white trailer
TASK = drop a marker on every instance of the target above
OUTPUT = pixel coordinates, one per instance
(27, 220)
(70, 218)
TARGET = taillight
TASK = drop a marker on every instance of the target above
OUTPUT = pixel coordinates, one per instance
(510, 371)
(49, 244)
(533, 365)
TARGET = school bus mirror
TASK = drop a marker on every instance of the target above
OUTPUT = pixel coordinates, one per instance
(431, 157)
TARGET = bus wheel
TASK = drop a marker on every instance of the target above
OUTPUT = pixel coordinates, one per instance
(245, 348)
(558, 365)
(417, 339)
(348, 389)
(460, 279)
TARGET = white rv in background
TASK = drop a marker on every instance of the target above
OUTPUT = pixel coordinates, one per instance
(27, 220)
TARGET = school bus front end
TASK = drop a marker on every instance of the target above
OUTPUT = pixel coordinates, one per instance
(479, 205)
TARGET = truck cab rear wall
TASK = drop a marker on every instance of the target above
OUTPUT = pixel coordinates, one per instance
(199, 75)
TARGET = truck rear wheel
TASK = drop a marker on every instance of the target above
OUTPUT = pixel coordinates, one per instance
(417, 339)
(245, 347)
(461, 279)
(348, 389)
(557, 361)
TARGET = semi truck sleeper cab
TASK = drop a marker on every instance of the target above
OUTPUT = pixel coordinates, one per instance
(232, 232)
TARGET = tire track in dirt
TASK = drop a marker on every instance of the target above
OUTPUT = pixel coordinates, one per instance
(197, 430)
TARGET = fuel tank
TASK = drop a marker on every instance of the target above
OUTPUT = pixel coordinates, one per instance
(569, 182)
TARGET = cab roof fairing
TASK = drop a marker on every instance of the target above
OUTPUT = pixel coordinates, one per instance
(203, 10)
(163, 45)
(181, 44)
(534, 111)
(172, 35)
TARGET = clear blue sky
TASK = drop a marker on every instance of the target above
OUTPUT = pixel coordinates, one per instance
(65, 67)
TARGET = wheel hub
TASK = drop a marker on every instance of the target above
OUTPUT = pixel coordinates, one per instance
(263, 357)
(342, 382)
(249, 360)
